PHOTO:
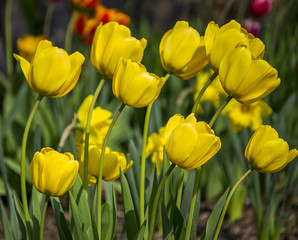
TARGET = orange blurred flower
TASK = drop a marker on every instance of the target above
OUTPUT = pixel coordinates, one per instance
(85, 25)
(84, 4)
(28, 44)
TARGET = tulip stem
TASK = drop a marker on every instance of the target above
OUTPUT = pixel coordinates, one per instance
(87, 132)
(48, 19)
(179, 194)
(199, 97)
(8, 41)
(227, 203)
(43, 217)
(154, 207)
(143, 163)
(69, 32)
(143, 160)
(101, 166)
(219, 110)
(23, 159)
(193, 202)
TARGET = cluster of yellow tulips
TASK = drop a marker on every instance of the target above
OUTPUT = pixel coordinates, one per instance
(236, 58)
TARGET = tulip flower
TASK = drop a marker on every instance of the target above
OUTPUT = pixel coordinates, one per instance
(111, 42)
(247, 79)
(100, 122)
(220, 41)
(252, 26)
(259, 8)
(52, 72)
(190, 144)
(113, 161)
(27, 45)
(182, 51)
(266, 152)
(84, 4)
(134, 86)
(53, 173)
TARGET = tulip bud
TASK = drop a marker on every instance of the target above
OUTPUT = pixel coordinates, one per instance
(111, 42)
(190, 144)
(52, 72)
(245, 78)
(134, 86)
(252, 26)
(182, 51)
(53, 173)
(266, 152)
(259, 8)
(27, 45)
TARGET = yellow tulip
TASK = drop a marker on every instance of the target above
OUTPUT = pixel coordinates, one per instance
(266, 152)
(27, 45)
(245, 78)
(134, 86)
(182, 51)
(52, 72)
(155, 146)
(220, 41)
(111, 42)
(246, 115)
(100, 122)
(190, 144)
(113, 161)
(53, 173)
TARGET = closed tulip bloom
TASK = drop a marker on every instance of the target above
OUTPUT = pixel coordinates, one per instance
(113, 161)
(111, 42)
(190, 144)
(134, 86)
(53, 173)
(247, 79)
(266, 152)
(52, 72)
(220, 41)
(182, 51)
(27, 45)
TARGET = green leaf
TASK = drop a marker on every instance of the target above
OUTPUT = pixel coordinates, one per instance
(61, 222)
(6, 225)
(166, 224)
(76, 219)
(37, 205)
(131, 225)
(106, 220)
(141, 232)
(20, 215)
(194, 225)
(187, 193)
(214, 216)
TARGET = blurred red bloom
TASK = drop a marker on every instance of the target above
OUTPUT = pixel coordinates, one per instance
(252, 26)
(259, 8)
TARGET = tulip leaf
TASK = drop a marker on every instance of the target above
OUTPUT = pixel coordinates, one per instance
(6, 225)
(141, 232)
(166, 224)
(134, 154)
(20, 215)
(214, 216)
(79, 231)
(106, 220)
(61, 222)
(194, 225)
(187, 193)
(81, 199)
(129, 212)
(37, 202)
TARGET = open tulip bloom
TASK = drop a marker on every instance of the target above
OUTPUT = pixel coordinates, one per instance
(52, 72)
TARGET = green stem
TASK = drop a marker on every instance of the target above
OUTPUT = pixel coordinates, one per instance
(179, 194)
(143, 163)
(101, 166)
(8, 40)
(43, 217)
(69, 32)
(154, 207)
(143, 159)
(219, 110)
(23, 155)
(48, 19)
(193, 202)
(199, 97)
(87, 132)
(227, 203)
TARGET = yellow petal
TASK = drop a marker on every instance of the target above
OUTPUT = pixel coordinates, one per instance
(181, 143)
(173, 122)
(210, 35)
(25, 66)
